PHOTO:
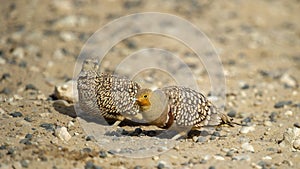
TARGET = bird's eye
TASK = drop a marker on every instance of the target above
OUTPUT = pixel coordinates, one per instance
(145, 96)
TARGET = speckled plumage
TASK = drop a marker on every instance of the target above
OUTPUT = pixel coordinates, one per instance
(111, 96)
(185, 107)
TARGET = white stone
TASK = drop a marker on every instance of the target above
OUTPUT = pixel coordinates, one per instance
(1, 111)
(71, 21)
(288, 113)
(65, 91)
(2, 61)
(63, 5)
(218, 157)
(267, 158)
(67, 36)
(248, 147)
(241, 157)
(296, 144)
(267, 123)
(288, 80)
(62, 133)
(19, 52)
(291, 139)
(70, 124)
(59, 54)
(155, 158)
(247, 129)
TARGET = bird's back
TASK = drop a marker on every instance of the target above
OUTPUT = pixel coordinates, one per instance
(108, 95)
(191, 108)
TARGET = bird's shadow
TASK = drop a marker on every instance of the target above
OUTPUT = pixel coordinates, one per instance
(66, 108)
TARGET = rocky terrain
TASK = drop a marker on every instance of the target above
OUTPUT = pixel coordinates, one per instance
(258, 43)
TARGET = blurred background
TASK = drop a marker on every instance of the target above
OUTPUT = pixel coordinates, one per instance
(257, 41)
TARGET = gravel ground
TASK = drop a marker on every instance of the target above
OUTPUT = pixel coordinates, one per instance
(257, 41)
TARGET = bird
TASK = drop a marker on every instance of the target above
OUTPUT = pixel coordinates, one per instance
(108, 95)
(179, 108)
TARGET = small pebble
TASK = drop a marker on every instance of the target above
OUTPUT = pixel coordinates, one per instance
(241, 158)
(16, 114)
(195, 138)
(62, 133)
(263, 164)
(297, 105)
(70, 124)
(29, 136)
(23, 64)
(267, 123)
(138, 167)
(28, 119)
(102, 154)
(30, 87)
(47, 126)
(161, 165)
(296, 144)
(176, 147)
(1, 111)
(219, 157)
(246, 129)
(211, 167)
(288, 162)
(91, 165)
(90, 138)
(204, 133)
(203, 161)
(10, 151)
(6, 91)
(271, 149)
(212, 137)
(247, 120)
(217, 134)
(25, 141)
(18, 52)
(297, 124)
(288, 81)
(248, 147)
(2, 147)
(229, 153)
(162, 149)
(155, 158)
(288, 113)
(24, 163)
(281, 104)
(245, 86)
(43, 158)
(5, 76)
(67, 36)
(231, 113)
(273, 116)
(201, 139)
(267, 158)
(2, 61)
(86, 150)
(112, 151)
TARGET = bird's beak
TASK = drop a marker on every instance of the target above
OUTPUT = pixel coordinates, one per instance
(136, 100)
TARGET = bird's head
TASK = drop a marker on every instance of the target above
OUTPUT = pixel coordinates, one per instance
(143, 98)
(152, 103)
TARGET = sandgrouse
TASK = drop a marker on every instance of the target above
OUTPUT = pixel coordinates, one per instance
(111, 96)
(179, 107)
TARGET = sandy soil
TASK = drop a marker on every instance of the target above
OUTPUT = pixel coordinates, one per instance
(257, 41)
